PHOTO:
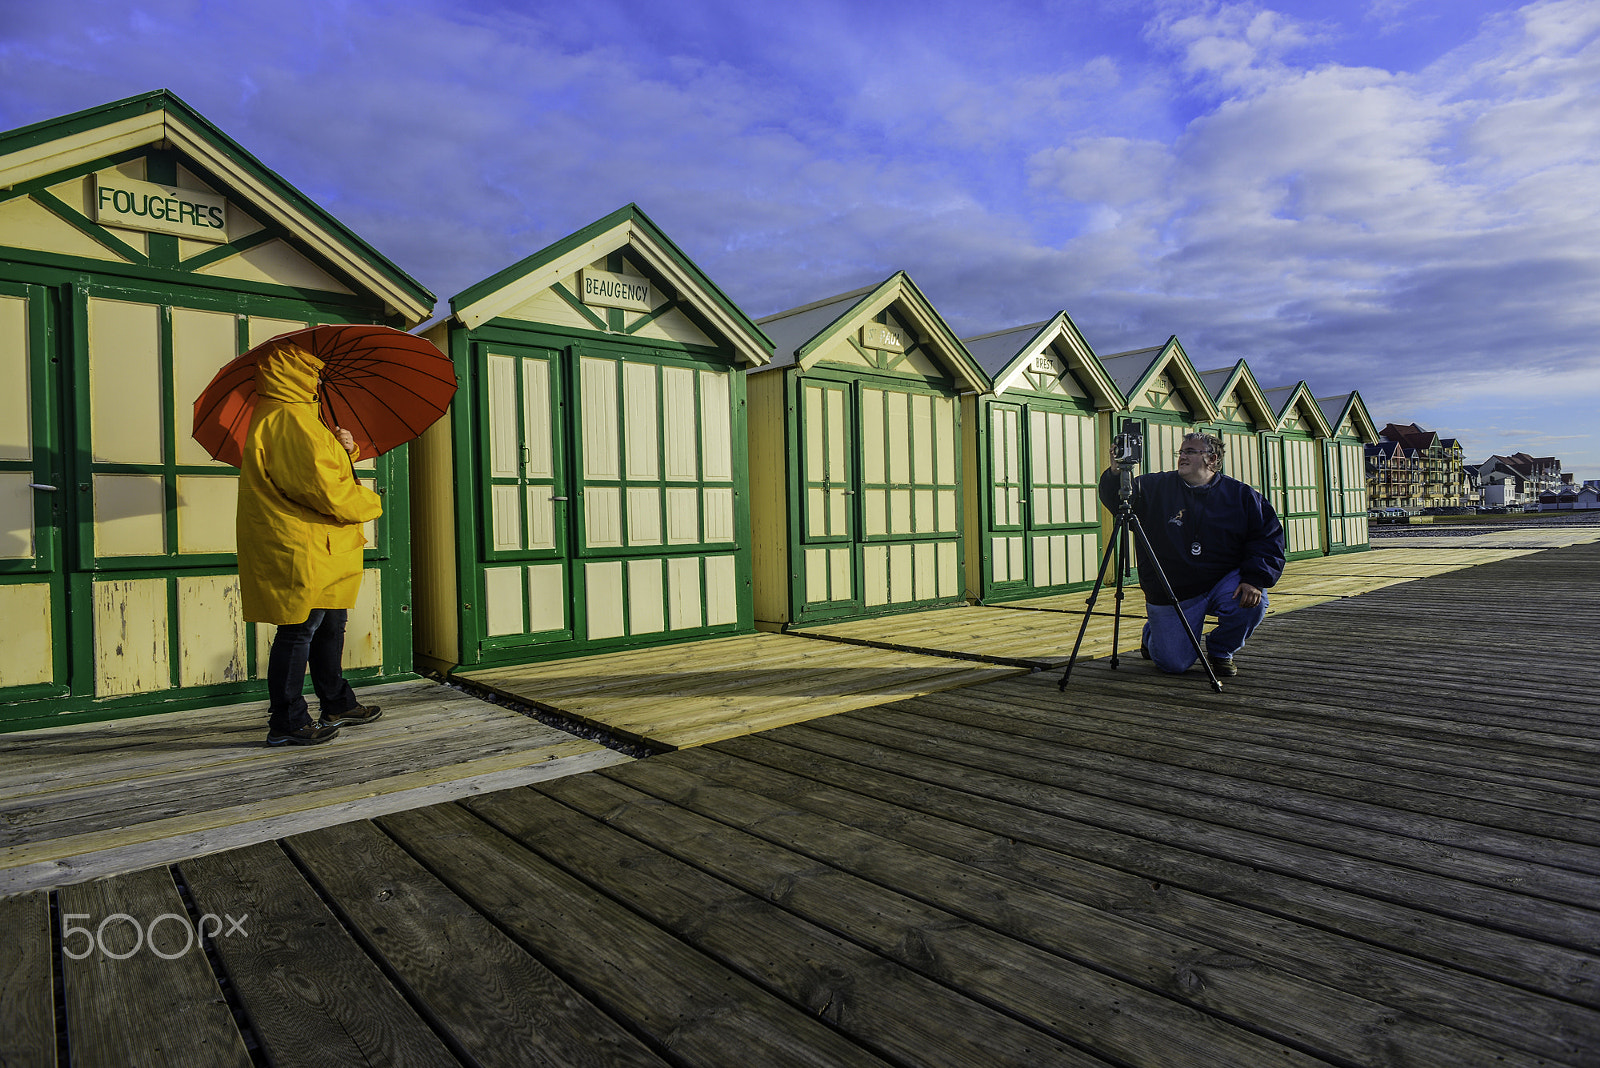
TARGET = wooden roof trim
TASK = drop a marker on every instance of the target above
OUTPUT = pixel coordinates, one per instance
(1243, 381)
(1300, 395)
(1103, 391)
(1187, 378)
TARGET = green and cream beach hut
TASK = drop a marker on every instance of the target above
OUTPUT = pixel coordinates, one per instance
(1291, 464)
(1344, 472)
(1036, 446)
(856, 458)
(140, 250)
(1243, 415)
(1165, 399)
(588, 491)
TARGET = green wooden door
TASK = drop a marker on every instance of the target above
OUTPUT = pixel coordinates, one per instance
(1063, 518)
(524, 583)
(1008, 501)
(34, 497)
(829, 497)
(1333, 494)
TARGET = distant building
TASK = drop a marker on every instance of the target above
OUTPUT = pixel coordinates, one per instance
(1519, 479)
(1413, 468)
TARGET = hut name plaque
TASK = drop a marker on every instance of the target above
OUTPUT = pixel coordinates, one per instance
(161, 209)
(611, 290)
(878, 336)
(1044, 364)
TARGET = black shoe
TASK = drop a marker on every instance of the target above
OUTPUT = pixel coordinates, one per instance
(355, 717)
(313, 733)
(1144, 650)
(1222, 666)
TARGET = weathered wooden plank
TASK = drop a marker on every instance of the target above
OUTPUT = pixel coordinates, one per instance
(27, 982)
(159, 1004)
(886, 1007)
(311, 994)
(498, 1005)
(1335, 895)
(680, 1002)
(1000, 839)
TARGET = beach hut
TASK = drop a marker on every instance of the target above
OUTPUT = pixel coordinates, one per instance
(1291, 467)
(856, 458)
(1036, 446)
(1243, 415)
(140, 250)
(1344, 472)
(588, 491)
(1165, 399)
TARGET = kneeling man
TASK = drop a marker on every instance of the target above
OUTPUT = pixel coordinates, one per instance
(1220, 544)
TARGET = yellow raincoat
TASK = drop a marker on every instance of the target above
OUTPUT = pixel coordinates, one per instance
(300, 506)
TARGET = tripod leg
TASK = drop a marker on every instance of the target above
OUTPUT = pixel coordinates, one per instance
(1088, 611)
(1166, 586)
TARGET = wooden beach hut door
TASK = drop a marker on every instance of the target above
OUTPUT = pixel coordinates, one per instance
(1043, 474)
(1292, 485)
(34, 493)
(1334, 489)
(829, 493)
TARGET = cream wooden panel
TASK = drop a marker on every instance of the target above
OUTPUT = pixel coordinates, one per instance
(206, 513)
(644, 514)
(125, 382)
(947, 441)
(718, 505)
(838, 505)
(16, 421)
(211, 646)
(265, 632)
(130, 637)
(643, 451)
(684, 594)
(722, 590)
(202, 341)
(875, 575)
(1005, 451)
(27, 224)
(505, 448)
(16, 515)
(599, 400)
(129, 515)
(277, 263)
(817, 576)
(680, 421)
(262, 328)
(536, 429)
(25, 635)
(502, 601)
(840, 569)
(900, 511)
(603, 582)
(363, 637)
(1000, 560)
(897, 419)
(872, 417)
(874, 512)
(922, 438)
(901, 585)
(674, 326)
(547, 597)
(949, 555)
(541, 518)
(546, 307)
(922, 364)
(645, 600)
(716, 427)
(602, 517)
(924, 518)
(505, 516)
(924, 567)
(683, 516)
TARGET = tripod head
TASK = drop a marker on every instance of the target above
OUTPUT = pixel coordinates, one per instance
(1127, 452)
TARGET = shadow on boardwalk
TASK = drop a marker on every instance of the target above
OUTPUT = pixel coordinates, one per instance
(1379, 846)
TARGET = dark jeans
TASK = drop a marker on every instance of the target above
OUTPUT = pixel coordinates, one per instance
(318, 643)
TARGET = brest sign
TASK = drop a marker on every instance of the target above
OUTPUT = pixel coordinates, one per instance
(161, 209)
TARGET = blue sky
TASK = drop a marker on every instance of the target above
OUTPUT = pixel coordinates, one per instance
(1398, 196)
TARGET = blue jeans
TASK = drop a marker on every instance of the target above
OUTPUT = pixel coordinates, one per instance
(318, 643)
(1169, 645)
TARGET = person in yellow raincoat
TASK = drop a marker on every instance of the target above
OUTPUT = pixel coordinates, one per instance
(300, 547)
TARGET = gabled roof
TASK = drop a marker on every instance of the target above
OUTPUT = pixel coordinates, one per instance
(1005, 354)
(83, 139)
(626, 227)
(799, 332)
(1239, 379)
(1285, 399)
(1350, 406)
(1133, 372)
(1410, 434)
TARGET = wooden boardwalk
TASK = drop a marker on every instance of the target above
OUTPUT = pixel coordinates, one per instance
(1379, 845)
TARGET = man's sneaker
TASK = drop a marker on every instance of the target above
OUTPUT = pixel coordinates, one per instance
(1144, 650)
(1222, 666)
(355, 717)
(313, 733)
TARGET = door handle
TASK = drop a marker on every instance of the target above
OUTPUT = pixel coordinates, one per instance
(41, 486)
(558, 498)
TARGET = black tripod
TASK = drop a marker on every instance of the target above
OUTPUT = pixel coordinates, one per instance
(1118, 546)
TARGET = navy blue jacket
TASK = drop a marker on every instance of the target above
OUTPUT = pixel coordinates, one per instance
(1234, 526)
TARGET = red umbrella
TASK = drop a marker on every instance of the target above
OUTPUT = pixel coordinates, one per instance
(383, 385)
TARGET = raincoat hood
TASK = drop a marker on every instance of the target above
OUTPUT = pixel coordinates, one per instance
(288, 374)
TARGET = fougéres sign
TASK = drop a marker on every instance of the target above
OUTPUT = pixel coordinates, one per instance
(161, 209)
(611, 290)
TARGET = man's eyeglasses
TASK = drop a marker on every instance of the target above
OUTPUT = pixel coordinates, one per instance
(1194, 452)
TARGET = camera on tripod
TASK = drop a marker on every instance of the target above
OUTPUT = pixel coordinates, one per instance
(1127, 449)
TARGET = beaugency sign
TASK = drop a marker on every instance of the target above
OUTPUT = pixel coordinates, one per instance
(160, 209)
(610, 290)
